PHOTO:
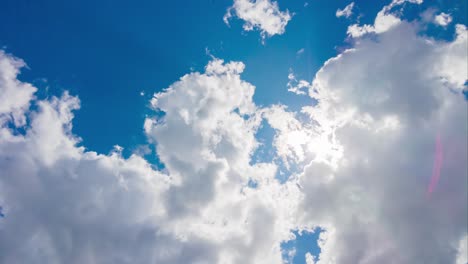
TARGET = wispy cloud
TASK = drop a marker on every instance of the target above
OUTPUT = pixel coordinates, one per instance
(345, 12)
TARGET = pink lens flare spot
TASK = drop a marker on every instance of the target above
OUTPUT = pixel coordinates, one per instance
(438, 157)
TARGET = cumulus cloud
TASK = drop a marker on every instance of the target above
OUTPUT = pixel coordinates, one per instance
(262, 15)
(206, 138)
(385, 20)
(14, 95)
(393, 99)
(64, 204)
(388, 117)
(345, 12)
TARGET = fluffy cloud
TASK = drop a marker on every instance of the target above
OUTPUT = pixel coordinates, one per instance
(379, 164)
(206, 138)
(263, 15)
(385, 20)
(398, 106)
(14, 95)
(345, 12)
(64, 204)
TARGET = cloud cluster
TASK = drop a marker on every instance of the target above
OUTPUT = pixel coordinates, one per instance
(379, 158)
(64, 204)
(262, 15)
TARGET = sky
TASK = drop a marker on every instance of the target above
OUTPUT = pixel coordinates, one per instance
(233, 131)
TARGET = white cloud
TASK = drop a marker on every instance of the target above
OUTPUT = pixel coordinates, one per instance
(262, 15)
(443, 19)
(63, 204)
(364, 157)
(291, 253)
(345, 12)
(384, 20)
(296, 86)
(393, 97)
(206, 140)
(462, 257)
(291, 137)
(14, 95)
(310, 259)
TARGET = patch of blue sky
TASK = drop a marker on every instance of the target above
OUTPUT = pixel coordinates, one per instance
(252, 184)
(264, 153)
(294, 250)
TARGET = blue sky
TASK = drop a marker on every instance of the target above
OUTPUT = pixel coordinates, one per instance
(115, 55)
(113, 50)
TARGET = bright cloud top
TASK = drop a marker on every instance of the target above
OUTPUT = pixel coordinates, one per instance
(363, 157)
(262, 15)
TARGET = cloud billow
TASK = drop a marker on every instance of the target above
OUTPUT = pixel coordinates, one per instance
(262, 15)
